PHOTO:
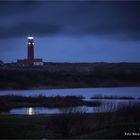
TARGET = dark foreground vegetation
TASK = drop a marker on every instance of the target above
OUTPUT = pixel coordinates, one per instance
(70, 75)
(8, 102)
(75, 124)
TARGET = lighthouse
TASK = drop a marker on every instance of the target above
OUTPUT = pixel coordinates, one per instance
(30, 61)
(30, 47)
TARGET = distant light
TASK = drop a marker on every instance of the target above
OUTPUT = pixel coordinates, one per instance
(30, 37)
(30, 111)
(29, 43)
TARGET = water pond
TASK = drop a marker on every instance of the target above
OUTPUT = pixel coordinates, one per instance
(85, 92)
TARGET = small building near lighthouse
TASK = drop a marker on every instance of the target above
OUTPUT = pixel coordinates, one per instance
(30, 61)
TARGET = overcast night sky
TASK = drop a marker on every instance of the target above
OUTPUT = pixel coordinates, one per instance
(68, 31)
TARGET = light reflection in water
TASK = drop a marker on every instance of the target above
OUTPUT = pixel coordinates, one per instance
(106, 106)
(30, 111)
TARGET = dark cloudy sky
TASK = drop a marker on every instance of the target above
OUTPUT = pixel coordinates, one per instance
(71, 31)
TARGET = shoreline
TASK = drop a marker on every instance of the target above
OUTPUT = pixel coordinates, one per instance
(15, 101)
(59, 88)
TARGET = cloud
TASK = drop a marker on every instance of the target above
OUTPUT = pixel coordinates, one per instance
(125, 30)
(10, 8)
(29, 28)
(119, 19)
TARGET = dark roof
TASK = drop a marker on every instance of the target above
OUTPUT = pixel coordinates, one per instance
(38, 60)
(26, 61)
(23, 61)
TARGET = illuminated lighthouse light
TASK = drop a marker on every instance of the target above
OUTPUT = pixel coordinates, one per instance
(30, 43)
(30, 37)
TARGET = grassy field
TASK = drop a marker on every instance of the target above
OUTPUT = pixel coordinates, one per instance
(117, 131)
(70, 75)
(14, 126)
(35, 127)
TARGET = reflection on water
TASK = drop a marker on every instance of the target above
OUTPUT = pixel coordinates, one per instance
(30, 111)
(45, 110)
(107, 106)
